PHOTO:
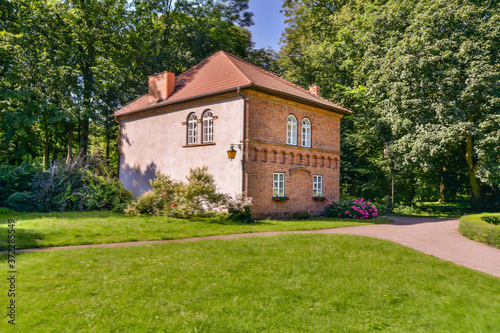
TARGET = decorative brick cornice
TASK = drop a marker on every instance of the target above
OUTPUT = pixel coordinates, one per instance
(305, 149)
(292, 103)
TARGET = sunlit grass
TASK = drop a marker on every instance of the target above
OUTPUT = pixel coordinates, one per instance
(76, 228)
(289, 283)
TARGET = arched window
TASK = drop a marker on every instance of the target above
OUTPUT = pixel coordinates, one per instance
(306, 133)
(208, 126)
(192, 128)
(291, 130)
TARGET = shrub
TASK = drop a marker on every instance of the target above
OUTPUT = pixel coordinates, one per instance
(4, 210)
(301, 215)
(17, 178)
(352, 209)
(239, 209)
(475, 228)
(20, 201)
(159, 200)
(83, 183)
(197, 197)
(491, 219)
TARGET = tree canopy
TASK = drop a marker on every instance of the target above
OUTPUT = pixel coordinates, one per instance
(423, 78)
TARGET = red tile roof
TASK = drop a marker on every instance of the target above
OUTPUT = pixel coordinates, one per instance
(224, 72)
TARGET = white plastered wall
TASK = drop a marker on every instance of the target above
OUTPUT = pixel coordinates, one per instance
(155, 144)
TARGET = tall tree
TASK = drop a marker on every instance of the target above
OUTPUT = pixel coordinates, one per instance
(439, 87)
(430, 72)
(66, 65)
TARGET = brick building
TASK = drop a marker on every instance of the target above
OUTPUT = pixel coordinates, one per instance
(287, 139)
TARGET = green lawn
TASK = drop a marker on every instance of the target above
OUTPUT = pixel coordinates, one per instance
(288, 283)
(75, 228)
(477, 228)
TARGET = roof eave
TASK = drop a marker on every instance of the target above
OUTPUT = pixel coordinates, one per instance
(301, 100)
(180, 101)
(247, 86)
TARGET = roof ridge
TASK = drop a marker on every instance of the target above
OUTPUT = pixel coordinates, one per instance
(234, 65)
(286, 81)
(197, 65)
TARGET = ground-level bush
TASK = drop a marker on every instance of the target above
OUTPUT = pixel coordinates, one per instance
(198, 196)
(352, 209)
(83, 183)
(17, 179)
(476, 228)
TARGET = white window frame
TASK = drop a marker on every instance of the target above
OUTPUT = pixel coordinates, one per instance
(291, 130)
(192, 129)
(306, 132)
(278, 184)
(317, 185)
(208, 126)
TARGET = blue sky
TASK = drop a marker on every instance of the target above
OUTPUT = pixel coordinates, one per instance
(269, 23)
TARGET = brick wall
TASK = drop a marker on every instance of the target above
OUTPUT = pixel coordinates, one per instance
(268, 153)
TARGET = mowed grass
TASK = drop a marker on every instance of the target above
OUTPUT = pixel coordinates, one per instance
(35, 230)
(288, 283)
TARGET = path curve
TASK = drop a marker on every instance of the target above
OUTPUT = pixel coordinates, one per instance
(437, 237)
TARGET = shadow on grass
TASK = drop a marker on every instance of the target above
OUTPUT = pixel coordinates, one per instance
(25, 239)
(222, 221)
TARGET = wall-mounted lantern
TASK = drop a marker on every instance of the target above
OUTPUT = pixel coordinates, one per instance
(231, 153)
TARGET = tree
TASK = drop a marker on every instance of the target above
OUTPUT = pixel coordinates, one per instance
(439, 88)
(430, 74)
(66, 65)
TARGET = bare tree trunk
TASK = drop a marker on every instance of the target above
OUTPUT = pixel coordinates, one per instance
(84, 135)
(476, 198)
(107, 143)
(70, 142)
(46, 149)
(46, 146)
(442, 195)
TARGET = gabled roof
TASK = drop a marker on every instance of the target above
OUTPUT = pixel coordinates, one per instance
(224, 72)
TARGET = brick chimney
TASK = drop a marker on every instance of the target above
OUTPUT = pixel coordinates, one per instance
(315, 90)
(161, 86)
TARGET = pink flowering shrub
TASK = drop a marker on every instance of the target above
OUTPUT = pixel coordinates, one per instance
(352, 209)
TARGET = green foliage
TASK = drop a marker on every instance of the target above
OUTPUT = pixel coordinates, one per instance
(4, 210)
(17, 178)
(280, 198)
(301, 215)
(67, 65)
(352, 209)
(423, 80)
(83, 183)
(477, 228)
(20, 201)
(197, 197)
(239, 209)
(491, 219)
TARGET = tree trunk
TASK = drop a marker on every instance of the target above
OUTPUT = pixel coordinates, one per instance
(475, 184)
(70, 142)
(46, 149)
(84, 135)
(107, 143)
(442, 196)
(46, 145)
(88, 87)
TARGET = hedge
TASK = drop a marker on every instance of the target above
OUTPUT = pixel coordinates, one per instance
(476, 228)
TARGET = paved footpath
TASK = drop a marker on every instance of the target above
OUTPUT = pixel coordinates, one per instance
(437, 237)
